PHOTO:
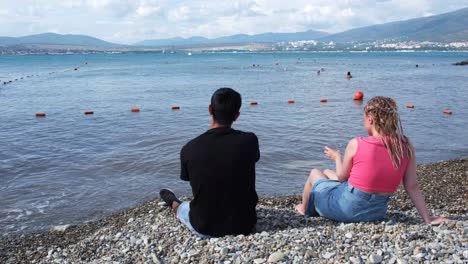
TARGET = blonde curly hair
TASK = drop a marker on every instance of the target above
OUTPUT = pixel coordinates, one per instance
(384, 112)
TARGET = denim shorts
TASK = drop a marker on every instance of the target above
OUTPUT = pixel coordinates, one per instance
(183, 215)
(340, 201)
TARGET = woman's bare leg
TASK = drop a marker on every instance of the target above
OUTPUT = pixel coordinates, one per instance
(315, 174)
(331, 174)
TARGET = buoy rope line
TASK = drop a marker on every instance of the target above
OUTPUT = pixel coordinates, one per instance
(358, 96)
(76, 68)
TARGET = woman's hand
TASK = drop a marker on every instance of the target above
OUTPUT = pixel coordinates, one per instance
(332, 154)
(436, 220)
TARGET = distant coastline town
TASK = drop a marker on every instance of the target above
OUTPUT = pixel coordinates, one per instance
(291, 46)
(374, 46)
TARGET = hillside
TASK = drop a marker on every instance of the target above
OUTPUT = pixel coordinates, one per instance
(235, 39)
(56, 39)
(446, 27)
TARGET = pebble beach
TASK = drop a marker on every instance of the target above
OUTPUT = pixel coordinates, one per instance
(149, 233)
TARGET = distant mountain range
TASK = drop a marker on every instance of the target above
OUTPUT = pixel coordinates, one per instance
(446, 27)
(57, 40)
(236, 39)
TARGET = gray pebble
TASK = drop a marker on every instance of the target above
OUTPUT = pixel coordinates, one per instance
(355, 260)
(375, 258)
(118, 235)
(145, 239)
(275, 257)
(224, 251)
(259, 261)
(435, 246)
(193, 253)
(49, 253)
(60, 228)
(401, 261)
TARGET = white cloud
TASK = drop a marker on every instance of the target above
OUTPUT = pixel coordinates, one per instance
(180, 13)
(147, 10)
(98, 5)
(128, 21)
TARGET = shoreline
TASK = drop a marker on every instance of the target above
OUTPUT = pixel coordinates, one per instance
(229, 51)
(149, 233)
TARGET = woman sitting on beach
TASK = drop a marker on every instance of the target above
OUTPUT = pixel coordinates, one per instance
(372, 168)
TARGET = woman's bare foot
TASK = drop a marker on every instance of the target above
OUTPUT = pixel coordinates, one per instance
(300, 209)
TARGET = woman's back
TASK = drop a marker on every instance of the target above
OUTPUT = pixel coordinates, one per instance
(372, 169)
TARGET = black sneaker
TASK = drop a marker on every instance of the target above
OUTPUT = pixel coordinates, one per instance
(169, 197)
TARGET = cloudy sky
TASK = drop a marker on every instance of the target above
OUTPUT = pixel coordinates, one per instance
(129, 21)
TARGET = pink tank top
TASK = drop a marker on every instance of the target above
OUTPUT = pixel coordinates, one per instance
(372, 170)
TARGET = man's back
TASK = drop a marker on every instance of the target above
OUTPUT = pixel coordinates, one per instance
(220, 165)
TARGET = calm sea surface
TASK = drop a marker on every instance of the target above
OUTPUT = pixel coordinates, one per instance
(69, 168)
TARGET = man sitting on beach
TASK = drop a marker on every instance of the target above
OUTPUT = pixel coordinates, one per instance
(220, 165)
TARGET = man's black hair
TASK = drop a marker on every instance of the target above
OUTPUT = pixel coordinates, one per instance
(225, 104)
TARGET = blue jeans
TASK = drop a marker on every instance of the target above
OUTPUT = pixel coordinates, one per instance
(340, 201)
(183, 215)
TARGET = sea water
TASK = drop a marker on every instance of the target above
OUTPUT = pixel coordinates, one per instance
(69, 167)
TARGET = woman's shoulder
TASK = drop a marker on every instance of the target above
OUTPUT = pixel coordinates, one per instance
(370, 139)
(354, 141)
(353, 145)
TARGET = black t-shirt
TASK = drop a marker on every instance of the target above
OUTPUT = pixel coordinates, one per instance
(220, 165)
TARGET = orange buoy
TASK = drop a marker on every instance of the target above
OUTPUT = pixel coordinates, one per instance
(410, 106)
(135, 110)
(447, 112)
(89, 113)
(291, 101)
(358, 95)
(253, 103)
(175, 107)
(40, 114)
(323, 100)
